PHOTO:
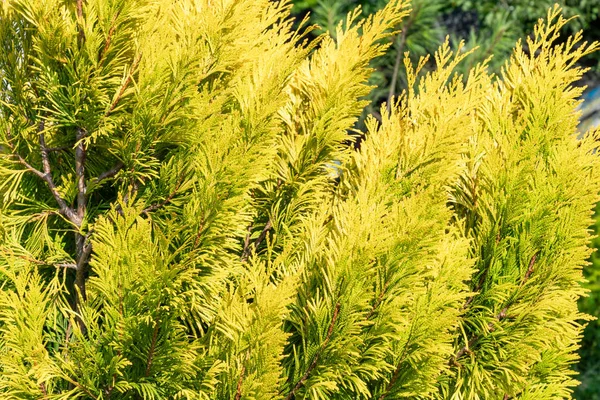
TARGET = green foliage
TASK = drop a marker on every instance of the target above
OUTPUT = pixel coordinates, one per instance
(489, 27)
(182, 216)
(502, 22)
(589, 366)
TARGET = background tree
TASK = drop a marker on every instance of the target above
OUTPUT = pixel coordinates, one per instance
(490, 27)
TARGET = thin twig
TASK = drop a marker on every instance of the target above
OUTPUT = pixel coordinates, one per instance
(46, 176)
(529, 270)
(163, 203)
(56, 149)
(134, 65)
(42, 385)
(78, 385)
(477, 289)
(66, 265)
(81, 33)
(378, 301)
(238, 391)
(63, 207)
(396, 374)
(38, 262)
(247, 242)
(111, 32)
(151, 350)
(248, 248)
(80, 160)
(315, 360)
(110, 173)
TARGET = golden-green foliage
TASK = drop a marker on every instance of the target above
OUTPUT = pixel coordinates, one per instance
(523, 197)
(184, 215)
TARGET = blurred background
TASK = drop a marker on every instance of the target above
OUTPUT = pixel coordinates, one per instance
(493, 26)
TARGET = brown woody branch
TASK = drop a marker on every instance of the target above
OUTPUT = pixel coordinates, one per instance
(83, 245)
(529, 270)
(316, 357)
(80, 159)
(66, 265)
(111, 32)
(38, 262)
(247, 243)
(477, 289)
(81, 33)
(84, 250)
(110, 173)
(56, 149)
(80, 386)
(64, 209)
(257, 242)
(238, 390)
(46, 175)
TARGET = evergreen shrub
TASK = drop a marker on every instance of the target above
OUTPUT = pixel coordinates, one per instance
(183, 215)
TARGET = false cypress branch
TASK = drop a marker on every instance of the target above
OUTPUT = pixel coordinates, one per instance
(79, 386)
(399, 364)
(502, 315)
(316, 357)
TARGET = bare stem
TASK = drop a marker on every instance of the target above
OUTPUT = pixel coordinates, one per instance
(238, 391)
(81, 35)
(110, 173)
(248, 248)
